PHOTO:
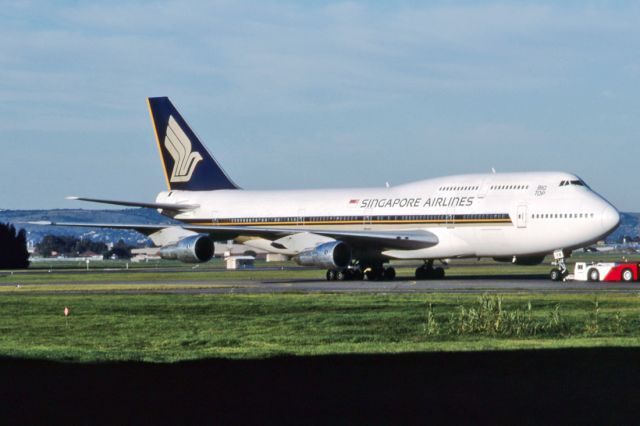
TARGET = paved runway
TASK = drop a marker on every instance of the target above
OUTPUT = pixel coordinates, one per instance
(467, 284)
(451, 285)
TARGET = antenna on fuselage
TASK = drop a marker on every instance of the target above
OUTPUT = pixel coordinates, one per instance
(493, 170)
(386, 184)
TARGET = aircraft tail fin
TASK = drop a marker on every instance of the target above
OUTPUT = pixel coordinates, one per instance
(187, 164)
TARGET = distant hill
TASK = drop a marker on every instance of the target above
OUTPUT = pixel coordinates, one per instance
(35, 232)
(629, 227)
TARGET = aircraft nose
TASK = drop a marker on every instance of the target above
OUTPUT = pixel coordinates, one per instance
(610, 218)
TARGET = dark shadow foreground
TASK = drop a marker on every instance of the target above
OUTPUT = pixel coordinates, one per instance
(532, 387)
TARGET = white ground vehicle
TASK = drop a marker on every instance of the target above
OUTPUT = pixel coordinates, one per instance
(605, 271)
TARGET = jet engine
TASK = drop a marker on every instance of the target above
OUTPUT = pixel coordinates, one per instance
(331, 255)
(522, 260)
(192, 249)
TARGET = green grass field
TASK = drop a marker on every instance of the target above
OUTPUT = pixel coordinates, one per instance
(105, 325)
(168, 328)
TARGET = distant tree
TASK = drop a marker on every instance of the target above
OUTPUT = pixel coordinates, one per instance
(55, 243)
(68, 246)
(82, 246)
(120, 251)
(13, 248)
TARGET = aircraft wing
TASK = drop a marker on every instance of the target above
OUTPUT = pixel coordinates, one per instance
(401, 239)
(164, 206)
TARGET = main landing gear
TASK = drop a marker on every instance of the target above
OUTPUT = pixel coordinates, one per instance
(427, 271)
(561, 271)
(369, 273)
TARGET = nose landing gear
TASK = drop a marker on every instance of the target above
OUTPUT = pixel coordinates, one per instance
(561, 272)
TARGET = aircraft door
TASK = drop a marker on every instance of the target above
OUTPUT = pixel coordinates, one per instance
(301, 216)
(366, 219)
(450, 217)
(521, 218)
(484, 188)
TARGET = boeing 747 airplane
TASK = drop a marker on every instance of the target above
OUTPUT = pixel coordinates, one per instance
(355, 232)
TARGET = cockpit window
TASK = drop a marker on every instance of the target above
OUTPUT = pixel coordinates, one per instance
(577, 182)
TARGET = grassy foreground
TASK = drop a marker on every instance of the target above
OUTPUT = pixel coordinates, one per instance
(168, 328)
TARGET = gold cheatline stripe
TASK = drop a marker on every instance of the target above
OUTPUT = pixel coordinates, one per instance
(350, 222)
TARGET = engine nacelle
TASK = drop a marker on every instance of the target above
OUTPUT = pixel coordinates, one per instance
(521, 260)
(331, 255)
(192, 249)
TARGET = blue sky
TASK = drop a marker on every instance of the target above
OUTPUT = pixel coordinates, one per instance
(317, 94)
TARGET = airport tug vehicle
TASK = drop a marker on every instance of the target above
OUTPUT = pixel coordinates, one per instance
(605, 271)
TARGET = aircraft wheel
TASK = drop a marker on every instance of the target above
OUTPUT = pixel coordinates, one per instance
(555, 274)
(422, 273)
(374, 274)
(438, 273)
(358, 275)
(331, 275)
(389, 274)
(627, 275)
(341, 276)
(593, 275)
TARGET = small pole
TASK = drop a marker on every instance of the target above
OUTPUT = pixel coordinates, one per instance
(66, 316)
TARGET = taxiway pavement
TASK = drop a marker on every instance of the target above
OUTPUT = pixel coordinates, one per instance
(460, 284)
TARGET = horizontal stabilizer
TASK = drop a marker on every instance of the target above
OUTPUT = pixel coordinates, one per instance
(163, 206)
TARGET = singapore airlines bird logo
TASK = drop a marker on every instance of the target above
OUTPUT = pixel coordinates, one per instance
(179, 146)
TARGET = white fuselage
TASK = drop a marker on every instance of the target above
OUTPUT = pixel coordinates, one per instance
(479, 215)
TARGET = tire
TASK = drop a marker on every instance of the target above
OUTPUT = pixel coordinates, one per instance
(358, 275)
(389, 274)
(438, 273)
(349, 274)
(331, 275)
(627, 275)
(341, 276)
(555, 274)
(425, 273)
(593, 275)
